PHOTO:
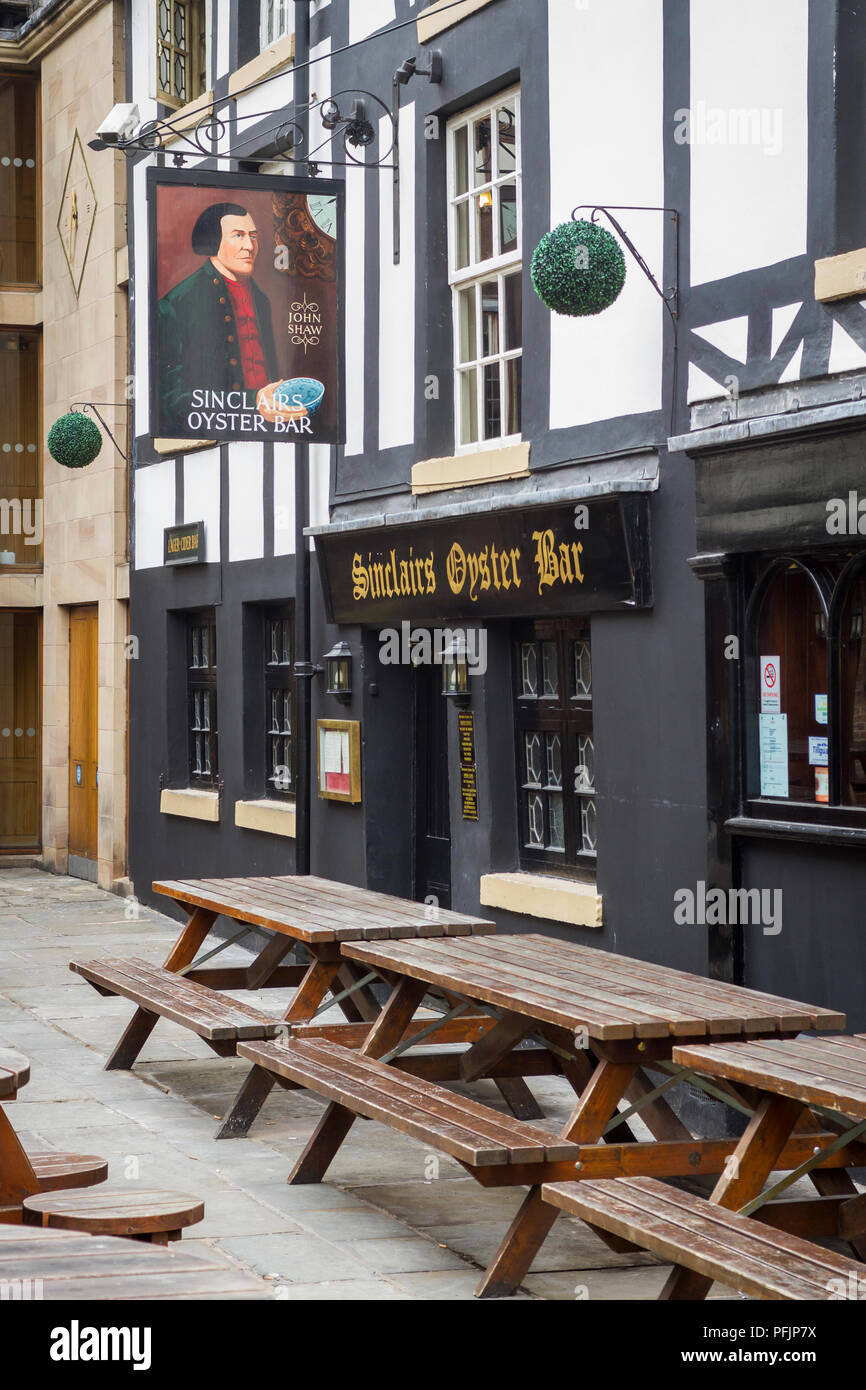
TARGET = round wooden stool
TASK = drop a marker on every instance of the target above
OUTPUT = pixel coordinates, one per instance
(157, 1217)
(59, 1170)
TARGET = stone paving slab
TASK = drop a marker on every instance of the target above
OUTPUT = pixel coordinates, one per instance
(392, 1222)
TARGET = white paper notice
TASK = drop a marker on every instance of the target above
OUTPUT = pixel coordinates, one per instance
(818, 752)
(774, 754)
(334, 743)
(771, 685)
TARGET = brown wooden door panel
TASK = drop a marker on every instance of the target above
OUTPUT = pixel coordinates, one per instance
(83, 731)
(20, 798)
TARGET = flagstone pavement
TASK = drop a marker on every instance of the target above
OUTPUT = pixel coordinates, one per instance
(392, 1220)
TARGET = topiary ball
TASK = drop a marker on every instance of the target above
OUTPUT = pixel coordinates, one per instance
(74, 440)
(578, 268)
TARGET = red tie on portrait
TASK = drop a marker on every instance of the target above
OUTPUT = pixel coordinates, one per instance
(252, 356)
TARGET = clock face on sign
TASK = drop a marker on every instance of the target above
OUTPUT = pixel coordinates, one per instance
(77, 213)
(323, 210)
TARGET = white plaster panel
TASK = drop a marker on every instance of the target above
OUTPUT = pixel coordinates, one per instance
(702, 387)
(397, 294)
(273, 95)
(606, 146)
(748, 137)
(138, 289)
(794, 369)
(284, 499)
(366, 16)
(246, 499)
(356, 185)
(320, 145)
(320, 484)
(154, 510)
(845, 354)
(142, 47)
(201, 497)
(221, 16)
(730, 336)
(783, 317)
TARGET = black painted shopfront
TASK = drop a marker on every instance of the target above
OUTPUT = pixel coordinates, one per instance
(781, 553)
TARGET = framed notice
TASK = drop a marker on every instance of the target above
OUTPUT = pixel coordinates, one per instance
(338, 753)
(773, 743)
(246, 307)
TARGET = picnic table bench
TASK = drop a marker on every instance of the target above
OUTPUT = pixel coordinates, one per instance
(313, 913)
(600, 1018)
(794, 1082)
(713, 1242)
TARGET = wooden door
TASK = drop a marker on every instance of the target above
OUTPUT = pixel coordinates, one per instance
(20, 732)
(83, 736)
(432, 849)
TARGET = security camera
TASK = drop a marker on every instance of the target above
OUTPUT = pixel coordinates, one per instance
(119, 124)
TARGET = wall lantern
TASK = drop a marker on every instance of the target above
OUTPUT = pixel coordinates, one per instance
(455, 673)
(338, 672)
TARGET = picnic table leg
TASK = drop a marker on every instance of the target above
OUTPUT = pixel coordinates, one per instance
(360, 1007)
(746, 1171)
(259, 1083)
(17, 1178)
(143, 1022)
(336, 1122)
(528, 1230)
(482, 1057)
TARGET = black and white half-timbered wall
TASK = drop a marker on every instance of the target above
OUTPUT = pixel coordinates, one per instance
(553, 620)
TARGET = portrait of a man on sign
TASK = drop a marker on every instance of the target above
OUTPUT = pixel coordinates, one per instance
(245, 312)
(216, 324)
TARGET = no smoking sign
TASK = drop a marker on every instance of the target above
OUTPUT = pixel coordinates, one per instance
(771, 697)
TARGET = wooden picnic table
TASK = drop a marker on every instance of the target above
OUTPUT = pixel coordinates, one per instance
(602, 1017)
(795, 1082)
(64, 1265)
(313, 913)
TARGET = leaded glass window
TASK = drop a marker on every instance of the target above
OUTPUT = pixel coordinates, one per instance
(556, 752)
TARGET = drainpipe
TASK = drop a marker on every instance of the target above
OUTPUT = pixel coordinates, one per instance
(303, 663)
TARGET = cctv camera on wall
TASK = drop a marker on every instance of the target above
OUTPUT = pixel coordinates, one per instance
(119, 124)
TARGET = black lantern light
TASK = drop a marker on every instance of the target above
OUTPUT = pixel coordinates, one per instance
(338, 672)
(455, 672)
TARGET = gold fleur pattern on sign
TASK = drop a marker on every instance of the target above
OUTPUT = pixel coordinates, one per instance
(305, 323)
(77, 213)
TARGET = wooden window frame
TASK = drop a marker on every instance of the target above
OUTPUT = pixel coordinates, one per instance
(266, 39)
(833, 576)
(32, 286)
(36, 846)
(470, 277)
(201, 680)
(195, 54)
(569, 715)
(279, 679)
(38, 562)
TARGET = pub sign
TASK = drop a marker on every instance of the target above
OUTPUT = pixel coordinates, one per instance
(246, 307)
(561, 560)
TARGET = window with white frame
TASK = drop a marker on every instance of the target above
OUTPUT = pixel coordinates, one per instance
(277, 18)
(484, 269)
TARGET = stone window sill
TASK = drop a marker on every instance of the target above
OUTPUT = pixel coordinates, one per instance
(469, 470)
(270, 817)
(543, 895)
(181, 446)
(191, 804)
(431, 22)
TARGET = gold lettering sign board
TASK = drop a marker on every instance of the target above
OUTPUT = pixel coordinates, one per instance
(573, 559)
